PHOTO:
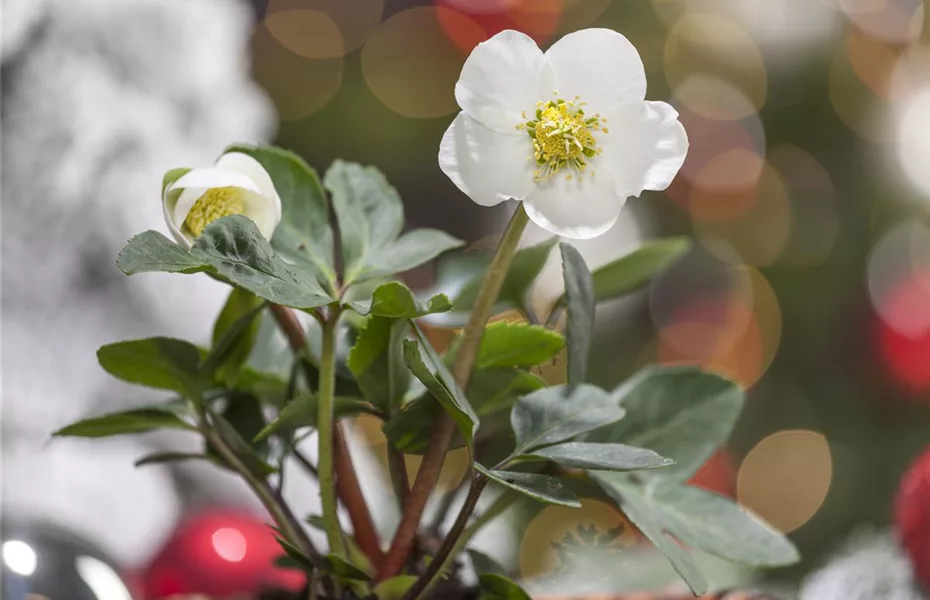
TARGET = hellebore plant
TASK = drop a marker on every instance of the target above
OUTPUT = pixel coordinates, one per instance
(260, 221)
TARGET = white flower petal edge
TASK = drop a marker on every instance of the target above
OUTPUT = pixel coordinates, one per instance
(600, 66)
(573, 208)
(260, 201)
(488, 166)
(650, 146)
(503, 77)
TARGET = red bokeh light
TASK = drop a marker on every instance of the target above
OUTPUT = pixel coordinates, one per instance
(536, 18)
(907, 355)
(717, 475)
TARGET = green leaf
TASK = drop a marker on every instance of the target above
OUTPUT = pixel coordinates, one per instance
(304, 233)
(639, 511)
(635, 270)
(395, 587)
(498, 587)
(234, 334)
(433, 374)
(244, 412)
(411, 250)
(240, 447)
(395, 300)
(409, 429)
(120, 423)
(507, 344)
(542, 488)
(579, 289)
(295, 554)
(460, 275)
(160, 458)
(163, 363)
(152, 252)
(376, 361)
(603, 457)
(682, 413)
(556, 414)
(369, 211)
(238, 252)
(302, 411)
(171, 176)
(482, 563)
(343, 568)
(491, 390)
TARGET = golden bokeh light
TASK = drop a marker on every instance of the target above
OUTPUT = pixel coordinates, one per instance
(759, 232)
(299, 24)
(538, 555)
(713, 98)
(411, 65)
(855, 102)
(872, 60)
(298, 86)
(785, 478)
(704, 43)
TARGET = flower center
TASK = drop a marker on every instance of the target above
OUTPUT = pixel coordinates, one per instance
(215, 203)
(563, 137)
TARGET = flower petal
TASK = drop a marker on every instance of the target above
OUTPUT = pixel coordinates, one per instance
(169, 202)
(599, 65)
(577, 208)
(645, 148)
(488, 166)
(501, 78)
(194, 184)
(251, 168)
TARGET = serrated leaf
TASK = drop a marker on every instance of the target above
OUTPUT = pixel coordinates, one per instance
(638, 510)
(395, 587)
(236, 250)
(460, 275)
(152, 252)
(160, 458)
(579, 290)
(682, 413)
(411, 250)
(395, 300)
(369, 211)
(556, 414)
(301, 411)
(495, 586)
(635, 270)
(234, 335)
(542, 488)
(376, 361)
(600, 457)
(125, 422)
(158, 362)
(507, 344)
(304, 233)
(433, 374)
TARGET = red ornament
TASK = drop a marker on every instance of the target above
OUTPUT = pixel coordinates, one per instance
(219, 553)
(912, 515)
(717, 475)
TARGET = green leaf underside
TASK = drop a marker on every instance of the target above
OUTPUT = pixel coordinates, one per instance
(376, 361)
(681, 413)
(602, 457)
(233, 249)
(433, 375)
(635, 270)
(579, 289)
(119, 423)
(304, 233)
(409, 251)
(542, 488)
(395, 587)
(234, 334)
(639, 511)
(495, 586)
(158, 362)
(343, 568)
(507, 344)
(395, 300)
(556, 414)
(301, 411)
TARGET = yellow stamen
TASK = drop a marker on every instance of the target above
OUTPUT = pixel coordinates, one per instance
(215, 203)
(563, 136)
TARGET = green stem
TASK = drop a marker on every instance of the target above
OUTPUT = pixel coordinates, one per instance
(439, 441)
(325, 426)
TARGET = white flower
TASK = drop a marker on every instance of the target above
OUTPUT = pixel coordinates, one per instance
(236, 185)
(534, 127)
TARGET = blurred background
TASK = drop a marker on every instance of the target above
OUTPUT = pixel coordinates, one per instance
(806, 190)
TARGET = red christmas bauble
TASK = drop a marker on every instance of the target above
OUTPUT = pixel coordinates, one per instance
(912, 515)
(218, 553)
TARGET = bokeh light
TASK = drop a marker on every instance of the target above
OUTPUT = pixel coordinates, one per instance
(555, 524)
(898, 21)
(913, 140)
(855, 100)
(785, 478)
(907, 355)
(536, 18)
(310, 28)
(717, 475)
(411, 65)
(899, 287)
